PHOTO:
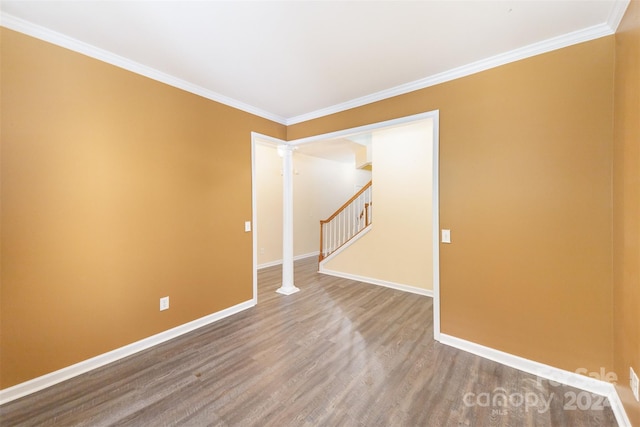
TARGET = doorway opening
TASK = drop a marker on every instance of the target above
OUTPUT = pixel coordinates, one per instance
(385, 137)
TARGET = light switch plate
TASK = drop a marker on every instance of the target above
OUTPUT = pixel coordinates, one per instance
(446, 236)
(247, 226)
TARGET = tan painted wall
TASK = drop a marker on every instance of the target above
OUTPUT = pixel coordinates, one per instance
(320, 186)
(398, 249)
(525, 187)
(116, 190)
(626, 208)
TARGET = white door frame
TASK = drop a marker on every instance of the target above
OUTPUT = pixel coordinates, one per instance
(435, 202)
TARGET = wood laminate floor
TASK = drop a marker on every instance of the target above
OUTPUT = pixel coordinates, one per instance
(338, 353)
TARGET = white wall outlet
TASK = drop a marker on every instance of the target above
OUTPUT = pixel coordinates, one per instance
(635, 384)
(446, 236)
(164, 303)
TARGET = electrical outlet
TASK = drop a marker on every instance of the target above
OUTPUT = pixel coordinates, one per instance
(164, 303)
(635, 384)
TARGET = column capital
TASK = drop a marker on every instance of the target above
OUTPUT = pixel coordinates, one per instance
(286, 149)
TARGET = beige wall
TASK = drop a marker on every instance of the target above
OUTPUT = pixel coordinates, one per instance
(320, 186)
(268, 181)
(525, 187)
(626, 208)
(399, 248)
(116, 190)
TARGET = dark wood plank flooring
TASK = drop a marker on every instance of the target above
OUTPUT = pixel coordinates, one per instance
(338, 353)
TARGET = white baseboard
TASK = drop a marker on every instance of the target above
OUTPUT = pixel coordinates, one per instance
(295, 258)
(386, 284)
(19, 390)
(547, 372)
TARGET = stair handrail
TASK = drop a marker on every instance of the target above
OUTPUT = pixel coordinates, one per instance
(347, 203)
(365, 212)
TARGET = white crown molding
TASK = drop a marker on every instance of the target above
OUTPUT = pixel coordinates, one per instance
(616, 14)
(547, 372)
(534, 49)
(545, 46)
(13, 23)
(44, 381)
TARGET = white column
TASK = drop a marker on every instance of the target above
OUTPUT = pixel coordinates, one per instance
(287, 288)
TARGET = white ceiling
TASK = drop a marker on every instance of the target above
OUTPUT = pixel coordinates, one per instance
(338, 150)
(294, 60)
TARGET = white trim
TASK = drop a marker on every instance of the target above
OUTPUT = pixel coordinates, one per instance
(269, 264)
(365, 128)
(59, 39)
(254, 221)
(378, 282)
(295, 258)
(618, 408)
(534, 49)
(435, 218)
(44, 381)
(586, 34)
(617, 12)
(547, 372)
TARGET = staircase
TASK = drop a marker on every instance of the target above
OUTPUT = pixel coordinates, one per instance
(347, 222)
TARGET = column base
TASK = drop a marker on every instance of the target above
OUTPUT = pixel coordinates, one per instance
(287, 290)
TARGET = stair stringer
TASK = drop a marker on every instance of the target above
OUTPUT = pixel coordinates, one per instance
(350, 242)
